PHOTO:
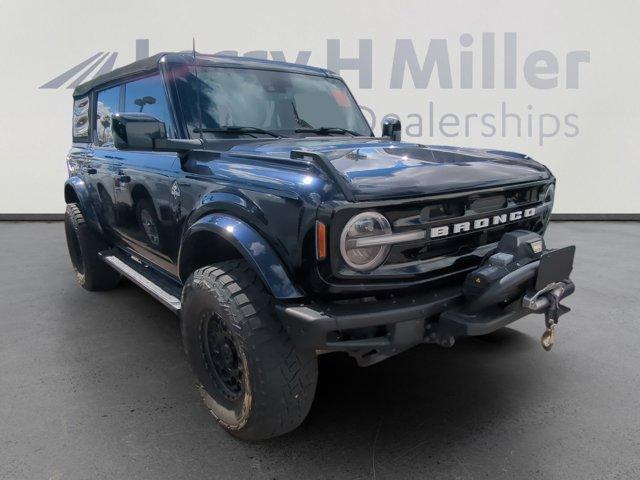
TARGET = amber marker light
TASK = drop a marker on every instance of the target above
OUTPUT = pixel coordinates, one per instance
(321, 241)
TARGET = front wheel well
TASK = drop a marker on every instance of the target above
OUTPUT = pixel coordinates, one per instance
(205, 248)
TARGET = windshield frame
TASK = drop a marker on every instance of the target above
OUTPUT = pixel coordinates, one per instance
(184, 122)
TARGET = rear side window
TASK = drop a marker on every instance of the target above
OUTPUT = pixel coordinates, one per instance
(107, 104)
(147, 95)
(81, 120)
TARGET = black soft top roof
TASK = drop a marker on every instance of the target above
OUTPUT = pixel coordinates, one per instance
(150, 64)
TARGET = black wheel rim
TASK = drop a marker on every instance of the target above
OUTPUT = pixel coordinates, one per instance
(75, 253)
(221, 355)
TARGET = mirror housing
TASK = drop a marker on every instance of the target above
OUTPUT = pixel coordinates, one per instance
(136, 131)
(139, 131)
(392, 128)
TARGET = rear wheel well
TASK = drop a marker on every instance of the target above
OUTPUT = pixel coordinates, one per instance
(205, 248)
(70, 195)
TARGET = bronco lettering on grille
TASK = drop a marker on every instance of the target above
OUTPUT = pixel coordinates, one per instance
(480, 223)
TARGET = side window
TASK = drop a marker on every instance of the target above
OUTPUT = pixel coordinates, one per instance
(81, 119)
(107, 104)
(147, 95)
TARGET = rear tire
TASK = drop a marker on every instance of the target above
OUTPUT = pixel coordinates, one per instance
(83, 244)
(254, 381)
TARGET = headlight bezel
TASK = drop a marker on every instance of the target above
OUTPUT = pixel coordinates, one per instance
(549, 191)
(546, 199)
(383, 251)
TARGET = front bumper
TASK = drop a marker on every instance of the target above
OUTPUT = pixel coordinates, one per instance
(374, 330)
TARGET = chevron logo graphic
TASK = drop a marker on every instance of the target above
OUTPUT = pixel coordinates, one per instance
(95, 65)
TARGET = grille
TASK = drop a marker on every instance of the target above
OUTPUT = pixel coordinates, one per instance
(463, 208)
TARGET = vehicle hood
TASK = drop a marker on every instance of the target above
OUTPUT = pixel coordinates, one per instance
(379, 169)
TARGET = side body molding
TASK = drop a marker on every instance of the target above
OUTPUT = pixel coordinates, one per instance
(78, 186)
(255, 249)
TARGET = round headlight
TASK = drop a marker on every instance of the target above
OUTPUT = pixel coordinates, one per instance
(364, 225)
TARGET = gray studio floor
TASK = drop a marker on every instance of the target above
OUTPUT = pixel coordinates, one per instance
(95, 385)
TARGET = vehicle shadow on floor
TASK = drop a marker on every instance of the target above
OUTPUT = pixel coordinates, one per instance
(424, 399)
(418, 403)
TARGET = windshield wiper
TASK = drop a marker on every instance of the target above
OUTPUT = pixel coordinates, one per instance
(235, 130)
(327, 130)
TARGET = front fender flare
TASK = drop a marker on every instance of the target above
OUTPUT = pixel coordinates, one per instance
(255, 250)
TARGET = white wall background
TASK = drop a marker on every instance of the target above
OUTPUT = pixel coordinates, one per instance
(597, 166)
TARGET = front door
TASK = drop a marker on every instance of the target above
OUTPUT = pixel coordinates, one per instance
(146, 206)
(145, 182)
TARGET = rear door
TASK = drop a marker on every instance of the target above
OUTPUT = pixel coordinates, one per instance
(81, 152)
(99, 161)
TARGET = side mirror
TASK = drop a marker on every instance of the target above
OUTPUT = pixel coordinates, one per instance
(139, 131)
(392, 128)
(136, 131)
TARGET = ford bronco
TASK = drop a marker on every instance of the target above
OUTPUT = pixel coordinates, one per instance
(253, 200)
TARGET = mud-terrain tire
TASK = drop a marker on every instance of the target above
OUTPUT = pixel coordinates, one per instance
(253, 380)
(83, 244)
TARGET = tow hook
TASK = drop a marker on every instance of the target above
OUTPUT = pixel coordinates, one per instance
(548, 338)
(548, 300)
(551, 318)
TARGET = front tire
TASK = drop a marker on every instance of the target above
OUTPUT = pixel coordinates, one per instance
(84, 245)
(254, 381)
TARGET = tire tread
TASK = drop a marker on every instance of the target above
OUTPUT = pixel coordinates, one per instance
(97, 275)
(283, 378)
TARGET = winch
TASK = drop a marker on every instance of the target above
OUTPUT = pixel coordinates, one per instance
(486, 285)
(521, 265)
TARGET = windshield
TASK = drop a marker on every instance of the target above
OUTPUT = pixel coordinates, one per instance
(277, 102)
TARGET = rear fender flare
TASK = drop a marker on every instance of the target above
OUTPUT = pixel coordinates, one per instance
(79, 188)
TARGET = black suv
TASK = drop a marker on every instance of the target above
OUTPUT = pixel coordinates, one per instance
(253, 200)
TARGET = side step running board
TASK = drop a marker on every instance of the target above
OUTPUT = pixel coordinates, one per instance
(153, 283)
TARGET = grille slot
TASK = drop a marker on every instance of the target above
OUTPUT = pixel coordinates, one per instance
(488, 203)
